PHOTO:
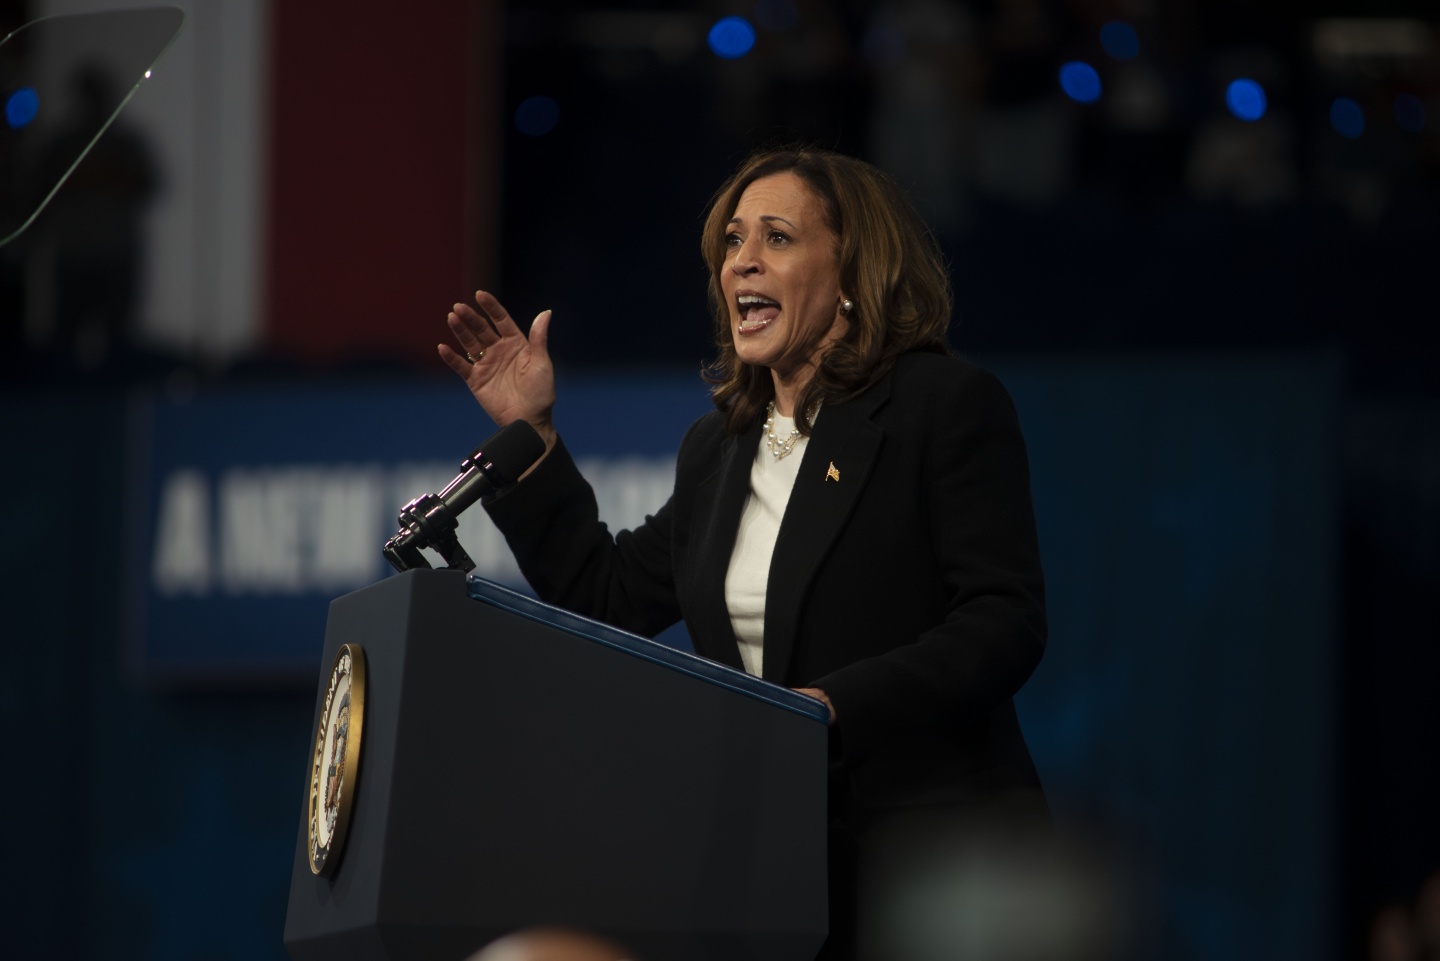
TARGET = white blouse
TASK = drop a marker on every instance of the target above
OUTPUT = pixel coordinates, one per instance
(771, 481)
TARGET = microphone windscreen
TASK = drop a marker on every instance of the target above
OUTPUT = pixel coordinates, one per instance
(510, 452)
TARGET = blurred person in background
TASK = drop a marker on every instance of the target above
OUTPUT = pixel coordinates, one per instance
(552, 944)
(853, 520)
(1427, 918)
(1392, 936)
(89, 251)
(1399, 933)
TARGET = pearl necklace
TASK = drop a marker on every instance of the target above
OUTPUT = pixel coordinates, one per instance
(772, 443)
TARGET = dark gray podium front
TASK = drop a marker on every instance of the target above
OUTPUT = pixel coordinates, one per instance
(521, 766)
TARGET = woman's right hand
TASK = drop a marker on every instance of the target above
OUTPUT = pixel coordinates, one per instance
(510, 375)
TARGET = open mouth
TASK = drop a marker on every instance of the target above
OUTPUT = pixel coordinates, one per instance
(756, 312)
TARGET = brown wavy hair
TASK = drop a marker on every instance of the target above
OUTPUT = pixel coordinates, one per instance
(890, 268)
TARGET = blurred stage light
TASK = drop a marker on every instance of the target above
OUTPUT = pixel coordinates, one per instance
(22, 107)
(1410, 112)
(1347, 118)
(1246, 99)
(777, 15)
(537, 116)
(732, 37)
(1120, 40)
(1080, 81)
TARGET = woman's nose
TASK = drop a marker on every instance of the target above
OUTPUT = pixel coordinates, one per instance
(747, 258)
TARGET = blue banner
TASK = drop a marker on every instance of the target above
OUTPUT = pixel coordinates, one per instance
(253, 508)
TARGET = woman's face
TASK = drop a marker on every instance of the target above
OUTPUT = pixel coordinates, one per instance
(781, 278)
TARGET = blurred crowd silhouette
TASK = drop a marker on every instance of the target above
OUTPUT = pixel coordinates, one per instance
(1161, 212)
(1409, 932)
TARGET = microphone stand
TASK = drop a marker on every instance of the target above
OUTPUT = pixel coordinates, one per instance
(428, 517)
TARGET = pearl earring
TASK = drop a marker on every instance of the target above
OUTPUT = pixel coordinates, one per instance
(846, 306)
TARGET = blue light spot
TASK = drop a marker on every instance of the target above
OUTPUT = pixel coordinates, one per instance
(1410, 112)
(732, 37)
(1246, 99)
(537, 116)
(22, 107)
(1120, 40)
(1347, 118)
(1080, 81)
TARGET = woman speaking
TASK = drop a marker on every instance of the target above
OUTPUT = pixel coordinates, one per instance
(853, 520)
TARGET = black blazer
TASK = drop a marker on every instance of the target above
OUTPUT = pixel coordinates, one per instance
(905, 581)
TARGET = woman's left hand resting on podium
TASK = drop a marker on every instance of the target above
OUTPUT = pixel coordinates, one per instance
(509, 374)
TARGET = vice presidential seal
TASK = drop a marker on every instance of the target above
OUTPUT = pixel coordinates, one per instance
(337, 759)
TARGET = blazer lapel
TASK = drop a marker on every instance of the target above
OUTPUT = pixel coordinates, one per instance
(835, 469)
(719, 501)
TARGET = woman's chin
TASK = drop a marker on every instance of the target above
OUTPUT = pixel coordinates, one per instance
(753, 355)
(755, 345)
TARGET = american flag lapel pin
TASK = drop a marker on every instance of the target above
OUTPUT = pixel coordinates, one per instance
(833, 473)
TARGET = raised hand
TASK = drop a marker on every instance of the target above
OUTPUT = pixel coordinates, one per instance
(509, 374)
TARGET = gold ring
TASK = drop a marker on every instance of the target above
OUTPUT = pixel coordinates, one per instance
(475, 360)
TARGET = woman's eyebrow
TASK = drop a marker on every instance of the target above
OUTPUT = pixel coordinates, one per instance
(767, 218)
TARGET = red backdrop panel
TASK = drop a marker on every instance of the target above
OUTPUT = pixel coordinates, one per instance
(383, 159)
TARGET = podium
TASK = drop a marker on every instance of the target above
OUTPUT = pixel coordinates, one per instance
(522, 766)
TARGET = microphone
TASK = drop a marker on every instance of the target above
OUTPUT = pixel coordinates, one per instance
(430, 519)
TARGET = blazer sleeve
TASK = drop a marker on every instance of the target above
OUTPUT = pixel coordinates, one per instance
(567, 554)
(975, 481)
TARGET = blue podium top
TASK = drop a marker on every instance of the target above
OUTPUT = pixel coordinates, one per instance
(707, 670)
